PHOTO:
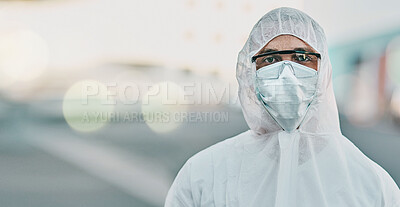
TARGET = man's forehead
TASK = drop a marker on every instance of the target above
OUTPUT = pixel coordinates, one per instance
(287, 42)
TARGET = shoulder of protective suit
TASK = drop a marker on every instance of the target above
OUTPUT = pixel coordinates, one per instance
(220, 149)
(200, 171)
(365, 169)
(205, 161)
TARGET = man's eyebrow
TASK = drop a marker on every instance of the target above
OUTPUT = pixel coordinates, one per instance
(267, 50)
(303, 49)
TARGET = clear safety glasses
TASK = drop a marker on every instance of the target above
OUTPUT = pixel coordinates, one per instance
(308, 59)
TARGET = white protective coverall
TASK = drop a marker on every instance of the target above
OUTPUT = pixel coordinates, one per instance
(314, 166)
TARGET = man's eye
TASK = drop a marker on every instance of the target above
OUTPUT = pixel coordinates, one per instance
(270, 60)
(302, 57)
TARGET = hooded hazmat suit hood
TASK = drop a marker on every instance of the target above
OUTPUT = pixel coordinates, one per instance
(322, 116)
(266, 166)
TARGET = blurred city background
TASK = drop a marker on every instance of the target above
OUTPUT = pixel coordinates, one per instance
(116, 145)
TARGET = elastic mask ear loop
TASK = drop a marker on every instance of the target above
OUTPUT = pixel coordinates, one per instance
(255, 84)
(319, 84)
(255, 76)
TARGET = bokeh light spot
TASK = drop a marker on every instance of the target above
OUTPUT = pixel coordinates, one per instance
(393, 60)
(23, 56)
(86, 106)
(162, 107)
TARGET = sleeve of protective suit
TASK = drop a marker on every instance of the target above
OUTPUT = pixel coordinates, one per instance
(180, 193)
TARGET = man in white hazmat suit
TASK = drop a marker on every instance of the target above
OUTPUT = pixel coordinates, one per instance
(294, 153)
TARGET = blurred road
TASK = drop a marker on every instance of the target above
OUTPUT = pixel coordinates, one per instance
(45, 163)
(381, 143)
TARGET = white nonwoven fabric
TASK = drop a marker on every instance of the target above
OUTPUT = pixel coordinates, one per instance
(315, 166)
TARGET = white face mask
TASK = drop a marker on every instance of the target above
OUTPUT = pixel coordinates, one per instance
(286, 90)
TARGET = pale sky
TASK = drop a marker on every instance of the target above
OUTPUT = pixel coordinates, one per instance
(203, 35)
